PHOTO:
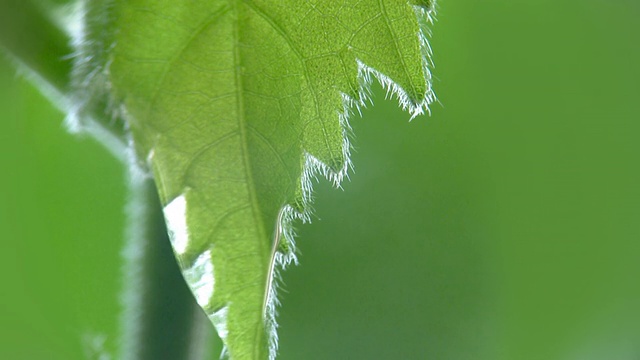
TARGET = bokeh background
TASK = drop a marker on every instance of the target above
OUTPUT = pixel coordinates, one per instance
(505, 226)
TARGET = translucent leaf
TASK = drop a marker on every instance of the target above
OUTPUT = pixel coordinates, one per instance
(235, 106)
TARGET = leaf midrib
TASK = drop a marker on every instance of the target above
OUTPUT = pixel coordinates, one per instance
(255, 209)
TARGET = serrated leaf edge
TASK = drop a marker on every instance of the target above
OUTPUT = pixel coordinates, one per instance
(313, 167)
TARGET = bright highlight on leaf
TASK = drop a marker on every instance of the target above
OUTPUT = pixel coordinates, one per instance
(235, 106)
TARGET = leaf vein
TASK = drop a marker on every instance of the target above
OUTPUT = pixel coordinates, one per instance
(198, 31)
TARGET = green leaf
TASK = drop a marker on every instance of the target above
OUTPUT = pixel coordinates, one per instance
(235, 106)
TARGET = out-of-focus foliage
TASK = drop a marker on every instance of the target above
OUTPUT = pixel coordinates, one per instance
(502, 227)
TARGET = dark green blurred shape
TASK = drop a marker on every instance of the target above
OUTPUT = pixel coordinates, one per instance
(24, 26)
(505, 226)
(61, 215)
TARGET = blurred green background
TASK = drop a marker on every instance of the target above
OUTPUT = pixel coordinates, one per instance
(504, 226)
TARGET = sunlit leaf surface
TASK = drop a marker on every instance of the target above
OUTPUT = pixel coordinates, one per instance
(234, 106)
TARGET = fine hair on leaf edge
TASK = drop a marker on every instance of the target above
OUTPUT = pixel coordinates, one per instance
(314, 167)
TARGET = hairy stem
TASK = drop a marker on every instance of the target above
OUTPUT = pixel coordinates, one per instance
(41, 47)
(160, 319)
(33, 39)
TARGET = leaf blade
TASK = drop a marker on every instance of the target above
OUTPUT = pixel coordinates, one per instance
(234, 105)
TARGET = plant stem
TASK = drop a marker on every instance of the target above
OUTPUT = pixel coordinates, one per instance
(32, 38)
(160, 319)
